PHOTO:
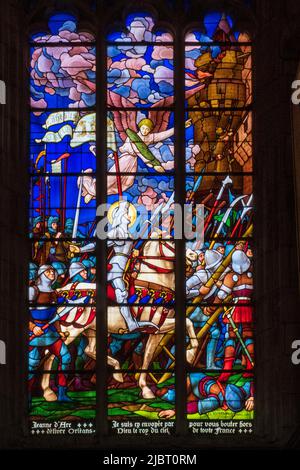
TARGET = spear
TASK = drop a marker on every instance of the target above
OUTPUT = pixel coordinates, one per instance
(246, 209)
(225, 182)
(225, 218)
(213, 318)
(76, 219)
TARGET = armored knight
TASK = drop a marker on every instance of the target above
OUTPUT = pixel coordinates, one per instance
(206, 394)
(238, 283)
(43, 310)
(195, 286)
(122, 248)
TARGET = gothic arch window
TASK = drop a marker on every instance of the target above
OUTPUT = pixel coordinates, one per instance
(62, 213)
(219, 175)
(174, 331)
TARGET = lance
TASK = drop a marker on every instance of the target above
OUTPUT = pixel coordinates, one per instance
(196, 186)
(220, 206)
(162, 208)
(213, 318)
(228, 312)
(42, 187)
(112, 144)
(64, 157)
(225, 218)
(246, 209)
(57, 317)
(76, 219)
(225, 182)
(118, 176)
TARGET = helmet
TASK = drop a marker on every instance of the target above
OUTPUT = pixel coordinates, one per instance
(240, 262)
(51, 220)
(235, 397)
(76, 268)
(191, 255)
(43, 268)
(92, 259)
(37, 220)
(87, 263)
(32, 271)
(59, 267)
(42, 281)
(218, 245)
(69, 225)
(213, 259)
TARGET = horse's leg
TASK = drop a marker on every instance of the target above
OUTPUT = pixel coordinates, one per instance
(151, 345)
(90, 349)
(192, 351)
(118, 376)
(48, 393)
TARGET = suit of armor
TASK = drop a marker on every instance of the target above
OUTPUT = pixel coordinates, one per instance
(239, 284)
(194, 284)
(44, 310)
(122, 247)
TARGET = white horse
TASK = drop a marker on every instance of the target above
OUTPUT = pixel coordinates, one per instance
(156, 273)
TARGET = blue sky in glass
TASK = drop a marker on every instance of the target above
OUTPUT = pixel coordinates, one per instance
(151, 33)
(56, 23)
(211, 22)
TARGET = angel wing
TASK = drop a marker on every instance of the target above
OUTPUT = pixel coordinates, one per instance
(125, 117)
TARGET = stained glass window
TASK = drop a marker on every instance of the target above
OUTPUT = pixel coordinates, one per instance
(219, 271)
(62, 272)
(142, 154)
(140, 182)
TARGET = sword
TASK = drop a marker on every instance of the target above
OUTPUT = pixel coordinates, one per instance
(160, 209)
(57, 317)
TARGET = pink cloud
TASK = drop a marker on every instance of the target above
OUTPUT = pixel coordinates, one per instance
(162, 52)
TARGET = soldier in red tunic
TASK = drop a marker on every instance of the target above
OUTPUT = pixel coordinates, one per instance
(238, 283)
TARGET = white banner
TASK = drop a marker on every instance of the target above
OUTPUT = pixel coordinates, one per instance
(111, 137)
(55, 137)
(60, 117)
(85, 130)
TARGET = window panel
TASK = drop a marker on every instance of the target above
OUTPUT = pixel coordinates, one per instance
(219, 267)
(211, 402)
(125, 408)
(54, 417)
(62, 211)
(140, 74)
(69, 138)
(142, 140)
(219, 141)
(141, 272)
(228, 205)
